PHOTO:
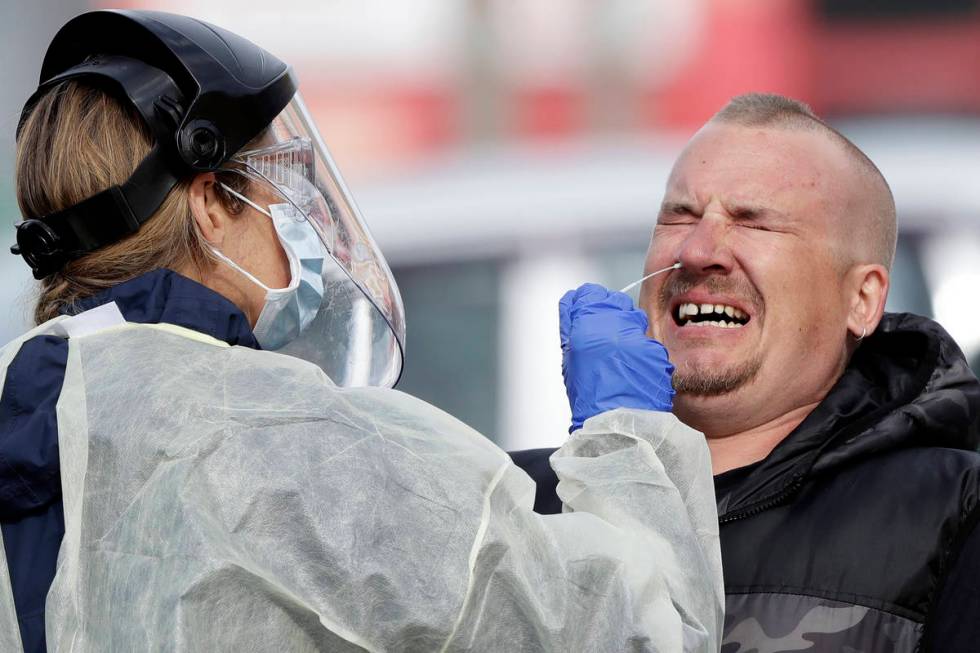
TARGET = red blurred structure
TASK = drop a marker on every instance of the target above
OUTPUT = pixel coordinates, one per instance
(844, 57)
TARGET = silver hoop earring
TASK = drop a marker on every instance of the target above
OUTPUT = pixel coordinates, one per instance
(864, 332)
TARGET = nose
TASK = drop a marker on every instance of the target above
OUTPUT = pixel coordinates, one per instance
(704, 250)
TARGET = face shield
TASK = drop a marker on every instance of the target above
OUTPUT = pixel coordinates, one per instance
(357, 334)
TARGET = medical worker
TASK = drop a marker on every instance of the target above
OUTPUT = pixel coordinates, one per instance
(198, 451)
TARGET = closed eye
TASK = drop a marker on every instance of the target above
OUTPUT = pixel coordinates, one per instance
(671, 220)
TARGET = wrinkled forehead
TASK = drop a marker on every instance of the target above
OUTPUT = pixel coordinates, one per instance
(794, 171)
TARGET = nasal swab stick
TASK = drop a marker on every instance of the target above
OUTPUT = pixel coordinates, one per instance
(675, 266)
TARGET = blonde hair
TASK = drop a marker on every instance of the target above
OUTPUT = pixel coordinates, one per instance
(76, 142)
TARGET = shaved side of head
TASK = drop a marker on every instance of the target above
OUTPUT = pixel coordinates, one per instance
(871, 232)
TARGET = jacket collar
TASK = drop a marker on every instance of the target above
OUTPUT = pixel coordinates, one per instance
(29, 457)
(165, 296)
(907, 385)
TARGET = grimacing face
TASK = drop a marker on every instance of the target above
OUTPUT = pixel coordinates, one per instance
(754, 215)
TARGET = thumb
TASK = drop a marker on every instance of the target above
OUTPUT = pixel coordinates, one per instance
(565, 316)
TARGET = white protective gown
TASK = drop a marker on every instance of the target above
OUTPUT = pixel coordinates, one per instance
(225, 499)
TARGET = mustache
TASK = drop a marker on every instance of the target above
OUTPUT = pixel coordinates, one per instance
(683, 281)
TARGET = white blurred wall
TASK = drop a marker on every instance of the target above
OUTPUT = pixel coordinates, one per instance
(25, 30)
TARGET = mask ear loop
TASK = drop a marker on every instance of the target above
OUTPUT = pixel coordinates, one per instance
(235, 266)
(248, 275)
(239, 196)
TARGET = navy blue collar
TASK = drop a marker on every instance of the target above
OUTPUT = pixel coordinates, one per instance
(165, 296)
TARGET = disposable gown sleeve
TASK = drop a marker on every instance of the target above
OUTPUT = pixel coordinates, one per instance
(633, 564)
(246, 504)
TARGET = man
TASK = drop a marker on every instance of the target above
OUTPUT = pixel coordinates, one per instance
(842, 439)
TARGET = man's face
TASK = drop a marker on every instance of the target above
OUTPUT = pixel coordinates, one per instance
(755, 320)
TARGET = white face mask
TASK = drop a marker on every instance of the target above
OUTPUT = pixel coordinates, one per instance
(287, 311)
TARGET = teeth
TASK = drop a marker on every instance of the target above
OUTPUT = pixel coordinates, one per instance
(688, 310)
(717, 323)
(729, 314)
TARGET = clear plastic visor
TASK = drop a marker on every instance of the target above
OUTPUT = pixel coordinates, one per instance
(358, 334)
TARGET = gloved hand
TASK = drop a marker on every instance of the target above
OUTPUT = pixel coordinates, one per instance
(607, 359)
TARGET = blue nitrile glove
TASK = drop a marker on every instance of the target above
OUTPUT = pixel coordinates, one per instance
(608, 361)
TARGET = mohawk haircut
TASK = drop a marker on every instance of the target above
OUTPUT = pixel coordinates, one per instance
(878, 233)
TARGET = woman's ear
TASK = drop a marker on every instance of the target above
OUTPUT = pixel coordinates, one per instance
(869, 289)
(208, 212)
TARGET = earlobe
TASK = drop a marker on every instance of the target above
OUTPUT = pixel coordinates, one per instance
(870, 289)
(206, 208)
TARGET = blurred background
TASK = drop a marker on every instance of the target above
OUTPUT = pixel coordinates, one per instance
(504, 151)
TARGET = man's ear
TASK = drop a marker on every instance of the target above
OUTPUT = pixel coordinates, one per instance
(207, 210)
(868, 286)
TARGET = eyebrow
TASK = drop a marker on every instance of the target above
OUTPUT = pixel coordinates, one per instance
(750, 213)
(668, 206)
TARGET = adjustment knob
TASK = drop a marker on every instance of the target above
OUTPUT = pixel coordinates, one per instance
(201, 145)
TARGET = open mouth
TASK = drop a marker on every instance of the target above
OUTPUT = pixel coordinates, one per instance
(717, 315)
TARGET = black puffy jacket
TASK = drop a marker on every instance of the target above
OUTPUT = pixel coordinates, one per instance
(858, 532)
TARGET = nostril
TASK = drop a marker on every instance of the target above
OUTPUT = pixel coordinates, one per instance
(705, 250)
(705, 259)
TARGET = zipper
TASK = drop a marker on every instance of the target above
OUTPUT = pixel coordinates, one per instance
(774, 501)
